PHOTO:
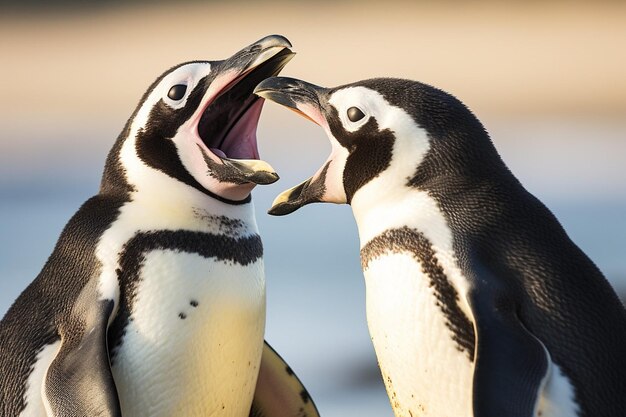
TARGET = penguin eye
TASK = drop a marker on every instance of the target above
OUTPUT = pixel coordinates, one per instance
(177, 92)
(355, 114)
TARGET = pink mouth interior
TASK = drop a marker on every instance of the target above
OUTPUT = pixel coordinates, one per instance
(218, 152)
(241, 141)
(228, 124)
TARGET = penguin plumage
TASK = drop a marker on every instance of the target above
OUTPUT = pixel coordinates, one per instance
(478, 303)
(153, 300)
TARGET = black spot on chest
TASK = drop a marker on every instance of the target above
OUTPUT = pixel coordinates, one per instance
(225, 225)
(236, 250)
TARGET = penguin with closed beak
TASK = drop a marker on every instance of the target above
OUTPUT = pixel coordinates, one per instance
(153, 300)
(478, 303)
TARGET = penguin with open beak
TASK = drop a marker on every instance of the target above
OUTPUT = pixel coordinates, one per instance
(153, 300)
(478, 303)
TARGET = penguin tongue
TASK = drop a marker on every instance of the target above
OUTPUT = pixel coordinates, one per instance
(218, 152)
(240, 141)
(239, 152)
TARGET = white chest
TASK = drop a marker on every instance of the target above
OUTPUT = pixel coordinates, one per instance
(424, 371)
(193, 345)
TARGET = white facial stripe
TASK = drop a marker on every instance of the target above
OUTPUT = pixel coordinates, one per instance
(370, 102)
(387, 116)
(335, 192)
(189, 74)
(139, 174)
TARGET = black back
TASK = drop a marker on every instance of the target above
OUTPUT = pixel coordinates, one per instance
(33, 320)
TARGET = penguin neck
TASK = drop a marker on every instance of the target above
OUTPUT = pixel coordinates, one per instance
(378, 208)
(161, 197)
(162, 202)
(389, 201)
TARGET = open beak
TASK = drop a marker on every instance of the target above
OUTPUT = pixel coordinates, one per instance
(307, 100)
(229, 118)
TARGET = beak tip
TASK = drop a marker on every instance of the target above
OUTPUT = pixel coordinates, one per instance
(271, 178)
(264, 178)
(274, 40)
(262, 87)
(281, 209)
(283, 41)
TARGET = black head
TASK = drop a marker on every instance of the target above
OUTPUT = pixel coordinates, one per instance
(196, 127)
(396, 131)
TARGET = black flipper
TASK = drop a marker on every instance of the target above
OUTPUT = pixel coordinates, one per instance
(279, 392)
(79, 380)
(510, 364)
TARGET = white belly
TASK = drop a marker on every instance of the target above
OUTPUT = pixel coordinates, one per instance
(424, 372)
(194, 342)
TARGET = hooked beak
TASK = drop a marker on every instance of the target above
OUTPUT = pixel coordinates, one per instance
(297, 95)
(305, 99)
(227, 124)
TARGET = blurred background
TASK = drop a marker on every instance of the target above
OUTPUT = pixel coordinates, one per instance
(546, 78)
